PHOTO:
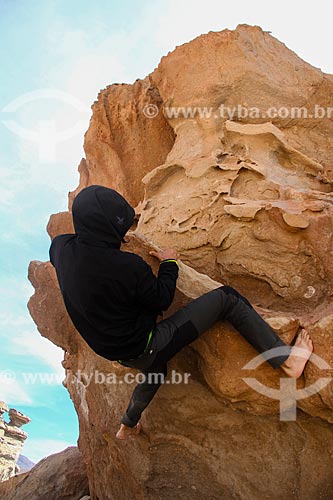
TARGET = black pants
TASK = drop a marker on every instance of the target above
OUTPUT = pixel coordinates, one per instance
(185, 326)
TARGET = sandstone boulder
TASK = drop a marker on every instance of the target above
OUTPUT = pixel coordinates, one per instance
(247, 201)
(61, 476)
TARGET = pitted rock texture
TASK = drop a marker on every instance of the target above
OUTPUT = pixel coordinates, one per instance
(256, 210)
(248, 203)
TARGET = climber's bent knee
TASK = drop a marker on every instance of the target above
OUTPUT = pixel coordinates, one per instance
(230, 290)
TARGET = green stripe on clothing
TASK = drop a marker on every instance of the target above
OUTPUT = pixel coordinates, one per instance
(170, 260)
(149, 337)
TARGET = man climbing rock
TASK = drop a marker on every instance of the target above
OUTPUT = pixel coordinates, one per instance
(114, 300)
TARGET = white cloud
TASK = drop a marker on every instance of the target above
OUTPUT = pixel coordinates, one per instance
(13, 287)
(18, 341)
(36, 449)
(91, 64)
(31, 344)
(11, 319)
(83, 65)
(35, 345)
(11, 391)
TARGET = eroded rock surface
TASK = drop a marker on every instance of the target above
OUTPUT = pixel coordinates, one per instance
(248, 202)
(12, 438)
(61, 476)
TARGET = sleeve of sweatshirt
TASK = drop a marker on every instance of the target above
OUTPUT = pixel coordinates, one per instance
(157, 293)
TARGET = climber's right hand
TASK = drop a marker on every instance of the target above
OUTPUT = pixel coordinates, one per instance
(168, 253)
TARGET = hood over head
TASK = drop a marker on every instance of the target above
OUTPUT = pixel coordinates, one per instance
(101, 216)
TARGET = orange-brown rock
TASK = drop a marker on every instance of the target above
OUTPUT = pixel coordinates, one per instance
(247, 201)
(61, 476)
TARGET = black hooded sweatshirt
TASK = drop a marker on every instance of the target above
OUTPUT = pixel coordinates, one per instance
(112, 297)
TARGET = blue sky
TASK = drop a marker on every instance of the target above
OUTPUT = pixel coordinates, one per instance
(55, 56)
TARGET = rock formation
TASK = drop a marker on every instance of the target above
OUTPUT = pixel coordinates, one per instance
(61, 476)
(247, 201)
(12, 438)
(25, 464)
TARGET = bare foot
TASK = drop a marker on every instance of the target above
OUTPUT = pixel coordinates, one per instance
(295, 364)
(125, 431)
